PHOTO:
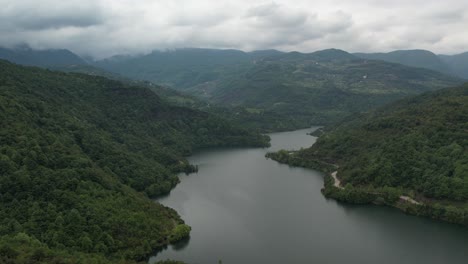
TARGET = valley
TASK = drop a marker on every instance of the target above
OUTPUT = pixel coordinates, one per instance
(88, 146)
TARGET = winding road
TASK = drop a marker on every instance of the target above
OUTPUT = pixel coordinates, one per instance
(337, 184)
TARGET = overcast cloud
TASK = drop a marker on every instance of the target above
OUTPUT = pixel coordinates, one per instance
(103, 28)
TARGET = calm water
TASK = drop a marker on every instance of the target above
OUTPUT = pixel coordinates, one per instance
(244, 208)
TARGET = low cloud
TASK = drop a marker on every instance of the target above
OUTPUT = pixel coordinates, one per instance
(273, 16)
(42, 15)
(106, 27)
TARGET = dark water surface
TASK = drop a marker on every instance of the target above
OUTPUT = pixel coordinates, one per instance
(244, 208)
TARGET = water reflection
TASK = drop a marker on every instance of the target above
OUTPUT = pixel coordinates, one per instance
(246, 209)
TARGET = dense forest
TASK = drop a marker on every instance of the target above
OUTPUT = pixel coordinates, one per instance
(80, 156)
(413, 58)
(456, 64)
(289, 90)
(249, 118)
(416, 147)
(25, 55)
(264, 90)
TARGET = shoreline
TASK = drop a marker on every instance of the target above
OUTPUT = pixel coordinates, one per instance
(357, 195)
(337, 184)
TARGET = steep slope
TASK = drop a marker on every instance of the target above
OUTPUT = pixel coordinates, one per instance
(413, 58)
(416, 147)
(79, 156)
(290, 90)
(41, 58)
(181, 68)
(320, 87)
(248, 118)
(458, 63)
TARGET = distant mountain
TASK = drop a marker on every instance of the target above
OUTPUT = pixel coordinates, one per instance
(24, 55)
(458, 63)
(417, 147)
(181, 68)
(319, 87)
(413, 58)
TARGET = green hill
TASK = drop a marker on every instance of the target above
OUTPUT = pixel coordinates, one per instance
(267, 90)
(321, 87)
(79, 157)
(243, 117)
(458, 63)
(413, 58)
(181, 68)
(283, 90)
(415, 147)
(42, 58)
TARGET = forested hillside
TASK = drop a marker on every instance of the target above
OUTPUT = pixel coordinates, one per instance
(79, 157)
(182, 68)
(417, 146)
(248, 118)
(293, 89)
(264, 90)
(43, 58)
(413, 58)
(458, 63)
(321, 87)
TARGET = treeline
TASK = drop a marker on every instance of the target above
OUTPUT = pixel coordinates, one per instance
(250, 118)
(79, 157)
(291, 158)
(416, 147)
(391, 196)
(418, 144)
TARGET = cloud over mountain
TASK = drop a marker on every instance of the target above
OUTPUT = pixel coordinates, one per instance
(106, 27)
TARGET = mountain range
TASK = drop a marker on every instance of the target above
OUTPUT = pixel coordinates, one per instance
(25, 55)
(313, 88)
(85, 145)
(272, 90)
(211, 58)
(456, 65)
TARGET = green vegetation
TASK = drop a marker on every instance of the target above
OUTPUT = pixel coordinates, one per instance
(79, 157)
(263, 90)
(180, 232)
(322, 87)
(412, 58)
(182, 68)
(249, 118)
(450, 64)
(169, 262)
(458, 63)
(416, 147)
(285, 90)
(294, 159)
(24, 55)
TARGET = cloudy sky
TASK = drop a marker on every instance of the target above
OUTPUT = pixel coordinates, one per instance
(106, 27)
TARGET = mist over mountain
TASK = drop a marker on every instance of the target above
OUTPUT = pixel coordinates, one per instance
(413, 58)
(456, 65)
(43, 58)
(314, 88)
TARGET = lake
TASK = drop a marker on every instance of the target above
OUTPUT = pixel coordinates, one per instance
(245, 209)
